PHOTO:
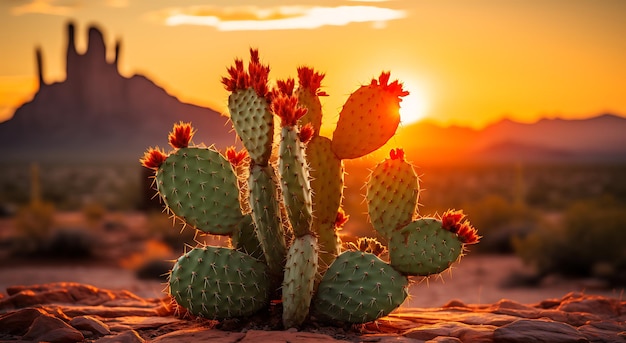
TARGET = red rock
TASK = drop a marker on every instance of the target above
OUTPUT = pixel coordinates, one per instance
(143, 323)
(46, 328)
(600, 306)
(130, 336)
(256, 336)
(454, 303)
(603, 331)
(109, 312)
(18, 322)
(464, 332)
(200, 335)
(527, 331)
(441, 339)
(91, 324)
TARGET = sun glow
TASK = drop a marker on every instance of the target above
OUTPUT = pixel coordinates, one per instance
(413, 106)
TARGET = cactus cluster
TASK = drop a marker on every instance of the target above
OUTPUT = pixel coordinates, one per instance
(280, 203)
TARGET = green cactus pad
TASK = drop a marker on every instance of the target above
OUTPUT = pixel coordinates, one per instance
(309, 100)
(219, 283)
(424, 248)
(254, 123)
(327, 176)
(200, 186)
(358, 288)
(266, 217)
(327, 183)
(246, 240)
(294, 176)
(392, 195)
(299, 279)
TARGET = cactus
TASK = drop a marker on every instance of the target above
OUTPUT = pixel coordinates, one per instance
(358, 288)
(283, 225)
(218, 283)
(369, 118)
(299, 280)
(198, 185)
(392, 193)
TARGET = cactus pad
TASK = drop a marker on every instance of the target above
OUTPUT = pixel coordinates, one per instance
(218, 283)
(266, 217)
(392, 194)
(254, 123)
(423, 248)
(368, 119)
(200, 186)
(299, 279)
(359, 287)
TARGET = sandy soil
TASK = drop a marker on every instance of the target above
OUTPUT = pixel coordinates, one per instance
(476, 280)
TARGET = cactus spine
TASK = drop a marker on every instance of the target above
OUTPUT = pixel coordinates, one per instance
(209, 192)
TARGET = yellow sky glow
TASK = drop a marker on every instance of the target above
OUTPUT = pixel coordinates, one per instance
(466, 63)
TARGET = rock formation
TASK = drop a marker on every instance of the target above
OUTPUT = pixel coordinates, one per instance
(71, 312)
(98, 114)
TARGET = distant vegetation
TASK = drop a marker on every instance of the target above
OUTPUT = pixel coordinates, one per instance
(544, 213)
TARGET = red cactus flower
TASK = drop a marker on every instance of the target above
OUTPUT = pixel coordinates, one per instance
(397, 154)
(235, 158)
(286, 108)
(256, 76)
(394, 88)
(286, 87)
(452, 219)
(306, 133)
(341, 219)
(153, 158)
(181, 135)
(468, 234)
(310, 79)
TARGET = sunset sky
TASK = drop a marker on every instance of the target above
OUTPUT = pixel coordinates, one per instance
(465, 62)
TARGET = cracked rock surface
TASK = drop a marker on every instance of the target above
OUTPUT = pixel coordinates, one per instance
(73, 312)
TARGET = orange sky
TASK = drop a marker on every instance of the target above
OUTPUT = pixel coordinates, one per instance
(465, 62)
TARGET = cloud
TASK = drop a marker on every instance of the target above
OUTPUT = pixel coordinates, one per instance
(42, 7)
(251, 18)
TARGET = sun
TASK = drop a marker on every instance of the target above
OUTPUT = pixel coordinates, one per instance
(414, 106)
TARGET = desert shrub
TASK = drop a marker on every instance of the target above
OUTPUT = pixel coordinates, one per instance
(93, 212)
(33, 223)
(498, 221)
(590, 238)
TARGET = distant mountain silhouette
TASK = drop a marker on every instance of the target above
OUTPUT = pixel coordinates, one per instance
(597, 139)
(97, 114)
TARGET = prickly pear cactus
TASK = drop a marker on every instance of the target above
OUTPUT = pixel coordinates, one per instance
(218, 283)
(358, 288)
(392, 193)
(280, 204)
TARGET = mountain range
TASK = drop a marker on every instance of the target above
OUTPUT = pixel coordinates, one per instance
(600, 138)
(96, 114)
